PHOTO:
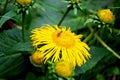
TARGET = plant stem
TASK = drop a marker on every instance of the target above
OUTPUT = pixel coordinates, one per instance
(23, 27)
(67, 11)
(90, 35)
(106, 46)
(93, 31)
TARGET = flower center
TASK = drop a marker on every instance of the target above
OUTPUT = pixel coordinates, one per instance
(64, 39)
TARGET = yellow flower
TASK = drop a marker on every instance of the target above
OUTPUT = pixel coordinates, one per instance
(76, 1)
(60, 43)
(37, 58)
(63, 69)
(106, 15)
(24, 2)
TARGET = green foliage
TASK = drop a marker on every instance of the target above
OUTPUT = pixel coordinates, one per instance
(12, 61)
(6, 17)
(97, 54)
(14, 53)
(11, 65)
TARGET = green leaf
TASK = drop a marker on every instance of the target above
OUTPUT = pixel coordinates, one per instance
(11, 65)
(20, 47)
(53, 14)
(9, 38)
(88, 21)
(75, 22)
(52, 11)
(12, 60)
(12, 40)
(97, 54)
(6, 17)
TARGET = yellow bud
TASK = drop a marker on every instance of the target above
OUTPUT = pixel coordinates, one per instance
(106, 15)
(37, 58)
(76, 1)
(24, 2)
(64, 69)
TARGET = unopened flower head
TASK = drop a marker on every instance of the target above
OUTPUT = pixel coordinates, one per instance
(64, 69)
(75, 1)
(106, 15)
(60, 43)
(37, 58)
(24, 2)
(74, 4)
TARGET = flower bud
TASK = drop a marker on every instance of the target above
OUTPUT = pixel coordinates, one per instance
(106, 15)
(76, 1)
(37, 58)
(24, 2)
(63, 69)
